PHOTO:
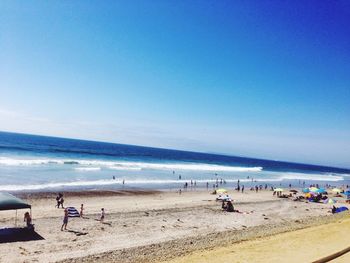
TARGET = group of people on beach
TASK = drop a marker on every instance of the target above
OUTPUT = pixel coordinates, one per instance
(66, 215)
(59, 200)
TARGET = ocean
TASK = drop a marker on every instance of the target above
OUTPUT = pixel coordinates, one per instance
(41, 163)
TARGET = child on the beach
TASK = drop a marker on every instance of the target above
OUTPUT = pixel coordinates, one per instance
(28, 220)
(65, 220)
(81, 210)
(102, 215)
(62, 201)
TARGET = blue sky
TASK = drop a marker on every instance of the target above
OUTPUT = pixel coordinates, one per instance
(266, 79)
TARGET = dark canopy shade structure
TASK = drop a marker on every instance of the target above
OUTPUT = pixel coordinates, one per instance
(10, 202)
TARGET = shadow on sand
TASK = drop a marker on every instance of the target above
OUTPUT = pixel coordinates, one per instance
(8, 235)
(77, 233)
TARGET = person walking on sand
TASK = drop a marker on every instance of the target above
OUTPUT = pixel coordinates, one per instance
(82, 210)
(62, 201)
(102, 215)
(58, 200)
(65, 220)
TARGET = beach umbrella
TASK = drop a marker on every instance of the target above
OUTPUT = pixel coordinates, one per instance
(306, 190)
(224, 197)
(310, 194)
(221, 190)
(278, 190)
(336, 190)
(330, 201)
(313, 189)
(321, 191)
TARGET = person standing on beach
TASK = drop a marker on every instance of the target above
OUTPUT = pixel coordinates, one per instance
(242, 189)
(28, 220)
(58, 200)
(82, 210)
(102, 215)
(65, 220)
(62, 201)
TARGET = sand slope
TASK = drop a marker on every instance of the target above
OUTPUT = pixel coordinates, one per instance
(305, 245)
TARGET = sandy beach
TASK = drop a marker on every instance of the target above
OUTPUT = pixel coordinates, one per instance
(154, 226)
(304, 245)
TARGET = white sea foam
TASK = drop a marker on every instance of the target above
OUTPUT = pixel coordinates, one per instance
(18, 162)
(56, 185)
(87, 168)
(312, 177)
(200, 182)
(129, 165)
(121, 168)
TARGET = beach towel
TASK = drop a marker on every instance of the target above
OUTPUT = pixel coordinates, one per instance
(73, 212)
(341, 209)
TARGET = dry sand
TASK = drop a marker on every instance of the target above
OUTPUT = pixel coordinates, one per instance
(304, 245)
(153, 226)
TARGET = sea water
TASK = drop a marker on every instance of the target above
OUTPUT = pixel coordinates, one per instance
(40, 163)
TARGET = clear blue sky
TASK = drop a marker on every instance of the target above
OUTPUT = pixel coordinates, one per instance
(267, 79)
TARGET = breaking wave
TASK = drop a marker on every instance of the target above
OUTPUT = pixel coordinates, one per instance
(128, 165)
